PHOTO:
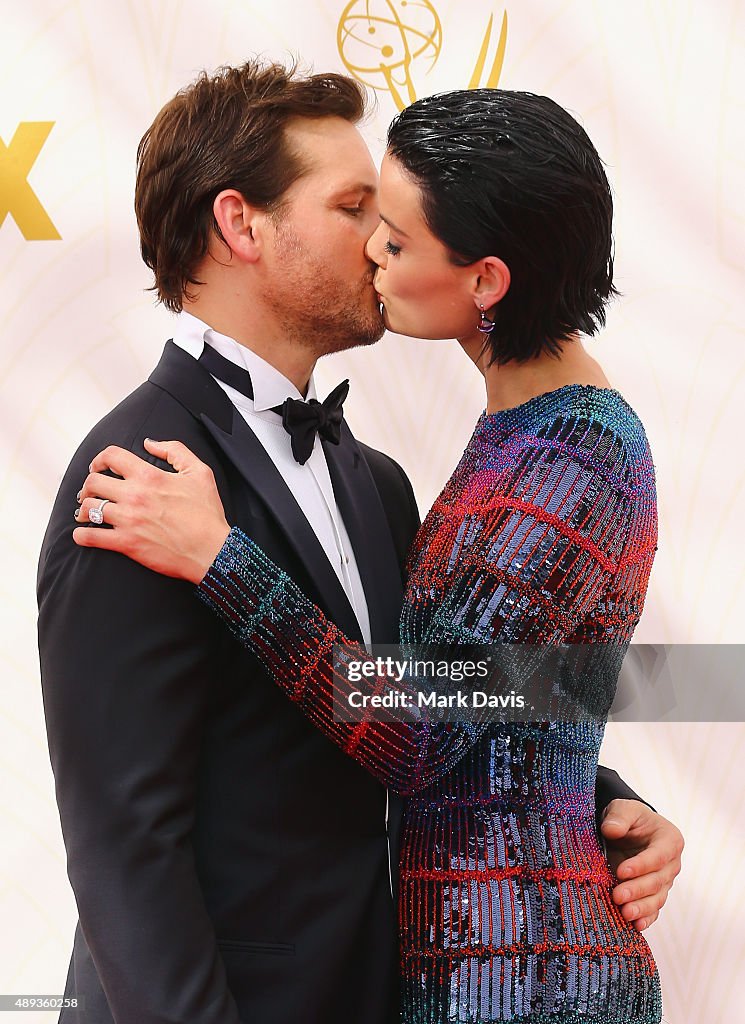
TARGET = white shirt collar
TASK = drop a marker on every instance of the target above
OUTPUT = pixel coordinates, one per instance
(270, 387)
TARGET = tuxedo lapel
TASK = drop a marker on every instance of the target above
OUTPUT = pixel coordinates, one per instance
(365, 519)
(183, 377)
(249, 457)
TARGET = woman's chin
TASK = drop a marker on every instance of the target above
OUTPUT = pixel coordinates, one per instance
(399, 325)
(395, 325)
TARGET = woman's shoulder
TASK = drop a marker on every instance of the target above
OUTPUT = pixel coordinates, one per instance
(570, 411)
(582, 421)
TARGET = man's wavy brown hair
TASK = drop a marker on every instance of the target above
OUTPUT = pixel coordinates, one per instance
(225, 130)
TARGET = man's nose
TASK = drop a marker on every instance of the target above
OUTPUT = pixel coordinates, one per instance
(374, 248)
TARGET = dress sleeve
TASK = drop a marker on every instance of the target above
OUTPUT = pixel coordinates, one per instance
(526, 564)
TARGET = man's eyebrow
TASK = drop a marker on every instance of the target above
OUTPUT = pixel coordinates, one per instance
(392, 225)
(355, 187)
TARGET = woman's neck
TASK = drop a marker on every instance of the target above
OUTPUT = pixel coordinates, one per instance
(514, 383)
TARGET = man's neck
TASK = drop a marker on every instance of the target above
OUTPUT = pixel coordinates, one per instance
(260, 334)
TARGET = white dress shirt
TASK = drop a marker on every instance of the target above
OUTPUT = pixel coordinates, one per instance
(310, 484)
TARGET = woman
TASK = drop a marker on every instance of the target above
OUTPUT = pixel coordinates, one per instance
(545, 534)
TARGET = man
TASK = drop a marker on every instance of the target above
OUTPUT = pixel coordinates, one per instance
(229, 863)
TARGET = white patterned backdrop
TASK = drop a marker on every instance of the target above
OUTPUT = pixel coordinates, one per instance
(660, 87)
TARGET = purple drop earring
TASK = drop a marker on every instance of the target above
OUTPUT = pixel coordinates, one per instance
(485, 325)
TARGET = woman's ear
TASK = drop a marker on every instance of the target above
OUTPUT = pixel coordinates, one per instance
(492, 282)
(238, 223)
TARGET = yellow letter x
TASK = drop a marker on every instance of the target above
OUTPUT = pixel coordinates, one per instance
(16, 195)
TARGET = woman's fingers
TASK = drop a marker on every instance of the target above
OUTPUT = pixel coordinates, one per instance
(173, 523)
(175, 453)
(127, 465)
(108, 540)
(121, 462)
(97, 485)
(110, 511)
(135, 476)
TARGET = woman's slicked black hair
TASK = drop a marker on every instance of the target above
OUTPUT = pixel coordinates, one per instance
(513, 175)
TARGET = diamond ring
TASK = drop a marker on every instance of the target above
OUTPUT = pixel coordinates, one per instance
(95, 515)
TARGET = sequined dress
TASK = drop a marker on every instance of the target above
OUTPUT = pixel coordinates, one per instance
(545, 533)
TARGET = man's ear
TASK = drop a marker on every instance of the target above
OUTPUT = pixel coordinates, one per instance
(492, 282)
(240, 224)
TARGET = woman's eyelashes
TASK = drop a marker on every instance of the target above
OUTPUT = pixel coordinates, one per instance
(391, 249)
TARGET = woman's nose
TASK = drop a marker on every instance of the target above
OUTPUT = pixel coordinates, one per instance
(374, 249)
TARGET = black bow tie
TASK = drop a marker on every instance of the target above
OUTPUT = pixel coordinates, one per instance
(301, 420)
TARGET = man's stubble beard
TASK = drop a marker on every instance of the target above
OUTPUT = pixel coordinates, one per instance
(330, 319)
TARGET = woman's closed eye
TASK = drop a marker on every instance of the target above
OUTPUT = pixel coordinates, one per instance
(391, 249)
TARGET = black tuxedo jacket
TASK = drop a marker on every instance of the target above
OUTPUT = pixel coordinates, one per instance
(229, 863)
